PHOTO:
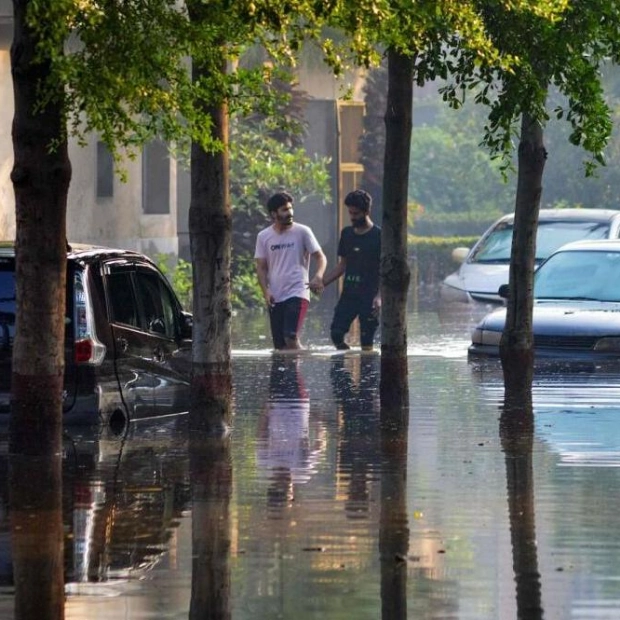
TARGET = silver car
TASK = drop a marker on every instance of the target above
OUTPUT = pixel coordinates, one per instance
(485, 267)
(576, 314)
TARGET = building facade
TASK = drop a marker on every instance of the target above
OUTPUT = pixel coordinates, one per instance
(149, 211)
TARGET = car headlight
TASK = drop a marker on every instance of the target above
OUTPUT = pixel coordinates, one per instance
(481, 336)
(608, 345)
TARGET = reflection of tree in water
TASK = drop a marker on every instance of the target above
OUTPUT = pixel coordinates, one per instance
(517, 436)
(287, 451)
(211, 477)
(393, 523)
(355, 382)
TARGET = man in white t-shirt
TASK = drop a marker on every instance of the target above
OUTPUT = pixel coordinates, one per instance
(283, 252)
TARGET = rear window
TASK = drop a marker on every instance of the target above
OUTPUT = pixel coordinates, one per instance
(7, 303)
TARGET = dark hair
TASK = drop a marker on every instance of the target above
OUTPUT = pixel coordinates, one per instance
(359, 199)
(278, 200)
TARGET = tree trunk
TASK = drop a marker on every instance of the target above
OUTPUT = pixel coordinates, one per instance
(394, 267)
(517, 345)
(210, 229)
(41, 176)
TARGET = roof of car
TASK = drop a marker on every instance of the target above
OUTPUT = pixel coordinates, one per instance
(601, 215)
(77, 251)
(597, 245)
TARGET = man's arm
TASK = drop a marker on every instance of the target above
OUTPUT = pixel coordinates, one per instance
(336, 272)
(316, 284)
(261, 271)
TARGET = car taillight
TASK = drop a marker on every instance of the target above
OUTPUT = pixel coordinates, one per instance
(87, 349)
(83, 351)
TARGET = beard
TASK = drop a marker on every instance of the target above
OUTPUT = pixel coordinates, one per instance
(359, 223)
(287, 220)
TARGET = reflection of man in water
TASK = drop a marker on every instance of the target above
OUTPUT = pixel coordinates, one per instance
(358, 447)
(285, 448)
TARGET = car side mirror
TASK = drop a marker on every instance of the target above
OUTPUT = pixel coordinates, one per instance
(459, 255)
(187, 324)
(504, 291)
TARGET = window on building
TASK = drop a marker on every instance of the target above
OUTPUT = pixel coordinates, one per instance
(155, 178)
(105, 171)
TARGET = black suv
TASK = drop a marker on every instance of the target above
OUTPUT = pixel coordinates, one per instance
(127, 339)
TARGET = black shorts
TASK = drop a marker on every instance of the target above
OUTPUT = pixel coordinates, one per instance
(286, 318)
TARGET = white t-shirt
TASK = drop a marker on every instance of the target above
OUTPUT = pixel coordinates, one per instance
(288, 258)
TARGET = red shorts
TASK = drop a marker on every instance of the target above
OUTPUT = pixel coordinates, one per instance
(287, 318)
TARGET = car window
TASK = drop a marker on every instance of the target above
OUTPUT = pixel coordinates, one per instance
(124, 308)
(157, 304)
(495, 247)
(551, 235)
(579, 275)
(7, 304)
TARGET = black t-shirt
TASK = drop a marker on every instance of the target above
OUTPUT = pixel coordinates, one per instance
(363, 255)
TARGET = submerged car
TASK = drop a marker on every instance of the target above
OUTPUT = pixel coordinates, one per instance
(127, 338)
(576, 312)
(485, 267)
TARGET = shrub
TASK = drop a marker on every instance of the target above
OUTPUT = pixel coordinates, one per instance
(431, 257)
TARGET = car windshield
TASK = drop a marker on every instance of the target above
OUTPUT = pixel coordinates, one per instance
(579, 275)
(495, 247)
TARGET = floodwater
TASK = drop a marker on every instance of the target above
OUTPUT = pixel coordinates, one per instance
(308, 511)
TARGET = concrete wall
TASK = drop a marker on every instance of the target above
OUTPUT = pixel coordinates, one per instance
(119, 220)
(7, 199)
(116, 221)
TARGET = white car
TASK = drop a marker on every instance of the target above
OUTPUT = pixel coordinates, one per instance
(485, 267)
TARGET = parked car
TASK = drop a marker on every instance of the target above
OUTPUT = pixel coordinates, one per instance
(127, 338)
(576, 311)
(485, 267)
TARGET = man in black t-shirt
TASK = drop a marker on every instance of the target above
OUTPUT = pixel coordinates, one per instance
(359, 255)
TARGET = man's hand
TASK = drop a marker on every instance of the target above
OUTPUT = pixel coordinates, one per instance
(316, 285)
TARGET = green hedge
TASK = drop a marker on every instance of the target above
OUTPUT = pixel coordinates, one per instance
(453, 224)
(431, 257)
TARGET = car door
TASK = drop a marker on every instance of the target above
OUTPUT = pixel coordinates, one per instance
(169, 345)
(132, 344)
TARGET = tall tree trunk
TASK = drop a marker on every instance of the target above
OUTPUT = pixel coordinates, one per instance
(517, 344)
(210, 230)
(394, 267)
(41, 176)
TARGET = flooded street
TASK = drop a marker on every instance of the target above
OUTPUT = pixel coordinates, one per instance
(308, 511)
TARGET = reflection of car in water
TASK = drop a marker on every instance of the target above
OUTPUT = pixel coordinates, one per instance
(576, 306)
(122, 499)
(576, 408)
(485, 267)
(127, 339)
